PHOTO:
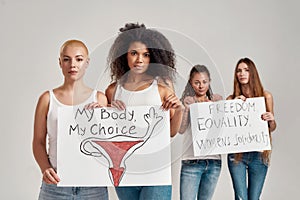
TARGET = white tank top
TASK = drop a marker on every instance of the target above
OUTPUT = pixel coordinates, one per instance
(54, 104)
(148, 96)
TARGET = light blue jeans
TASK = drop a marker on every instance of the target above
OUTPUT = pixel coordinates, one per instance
(198, 178)
(52, 192)
(248, 175)
(144, 192)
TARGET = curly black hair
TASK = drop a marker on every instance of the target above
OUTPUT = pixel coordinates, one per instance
(162, 56)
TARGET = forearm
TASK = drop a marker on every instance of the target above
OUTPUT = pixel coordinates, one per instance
(176, 121)
(41, 156)
(185, 120)
(272, 125)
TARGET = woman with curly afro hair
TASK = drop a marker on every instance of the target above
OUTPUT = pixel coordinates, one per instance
(142, 65)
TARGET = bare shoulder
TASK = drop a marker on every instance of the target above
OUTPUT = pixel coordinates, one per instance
(230, 97)
(268, 95)
(217, 97)
(44, 98)
(43, 104)
(166, 82)
(100, 94)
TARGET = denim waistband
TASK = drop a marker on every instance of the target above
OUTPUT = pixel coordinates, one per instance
(197, 161)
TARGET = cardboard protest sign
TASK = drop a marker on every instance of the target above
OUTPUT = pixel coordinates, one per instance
(229, 127)
(108, 147)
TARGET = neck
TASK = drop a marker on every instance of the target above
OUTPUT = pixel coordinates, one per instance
(137, 78)
(72, 86)
(246, 90)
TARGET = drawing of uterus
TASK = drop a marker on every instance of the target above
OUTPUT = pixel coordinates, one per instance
(119, 148)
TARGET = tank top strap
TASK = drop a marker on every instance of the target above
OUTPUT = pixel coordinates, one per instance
(51, 93)
(51, 100)
(94, 96)
(155, 81)
(118, 91)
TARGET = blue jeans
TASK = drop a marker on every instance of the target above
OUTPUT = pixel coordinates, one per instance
(248, 175)
(198, 178)
(144, 192)
(52, 192)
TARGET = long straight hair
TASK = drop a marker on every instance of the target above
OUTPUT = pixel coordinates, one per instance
(257, 90)
(255, 85)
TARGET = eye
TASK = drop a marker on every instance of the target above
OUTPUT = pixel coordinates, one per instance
(133, 53)
(197, 83)
(79, 59)
(66, 59)
(147, 54)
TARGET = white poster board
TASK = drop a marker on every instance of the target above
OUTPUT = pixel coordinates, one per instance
(108, 147)
(229, 126)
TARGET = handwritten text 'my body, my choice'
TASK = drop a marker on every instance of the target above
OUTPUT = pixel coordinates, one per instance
(108, 124)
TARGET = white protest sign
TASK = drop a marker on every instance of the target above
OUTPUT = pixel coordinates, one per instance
(229, 126)
(108, 147)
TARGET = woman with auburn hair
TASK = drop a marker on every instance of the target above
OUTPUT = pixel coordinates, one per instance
(248, 170)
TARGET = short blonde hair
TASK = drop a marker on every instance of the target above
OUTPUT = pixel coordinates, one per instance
(73, 43)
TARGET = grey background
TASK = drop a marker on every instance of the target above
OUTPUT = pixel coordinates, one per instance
(32, 32)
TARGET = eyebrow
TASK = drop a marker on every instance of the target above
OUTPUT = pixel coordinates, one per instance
(75, 56)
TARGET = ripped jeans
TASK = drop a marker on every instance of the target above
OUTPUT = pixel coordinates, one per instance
(248, 175)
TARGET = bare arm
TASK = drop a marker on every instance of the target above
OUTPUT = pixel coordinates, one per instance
(112, 102)
(101, 98)
(187, 101)
(171, 102)
(269, 115)
(185, 120)
(39, 140)
(110, 92)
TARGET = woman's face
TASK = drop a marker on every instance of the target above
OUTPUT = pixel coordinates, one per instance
(138, 57)
(73, 62)
(200, 83)
(242, 73)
